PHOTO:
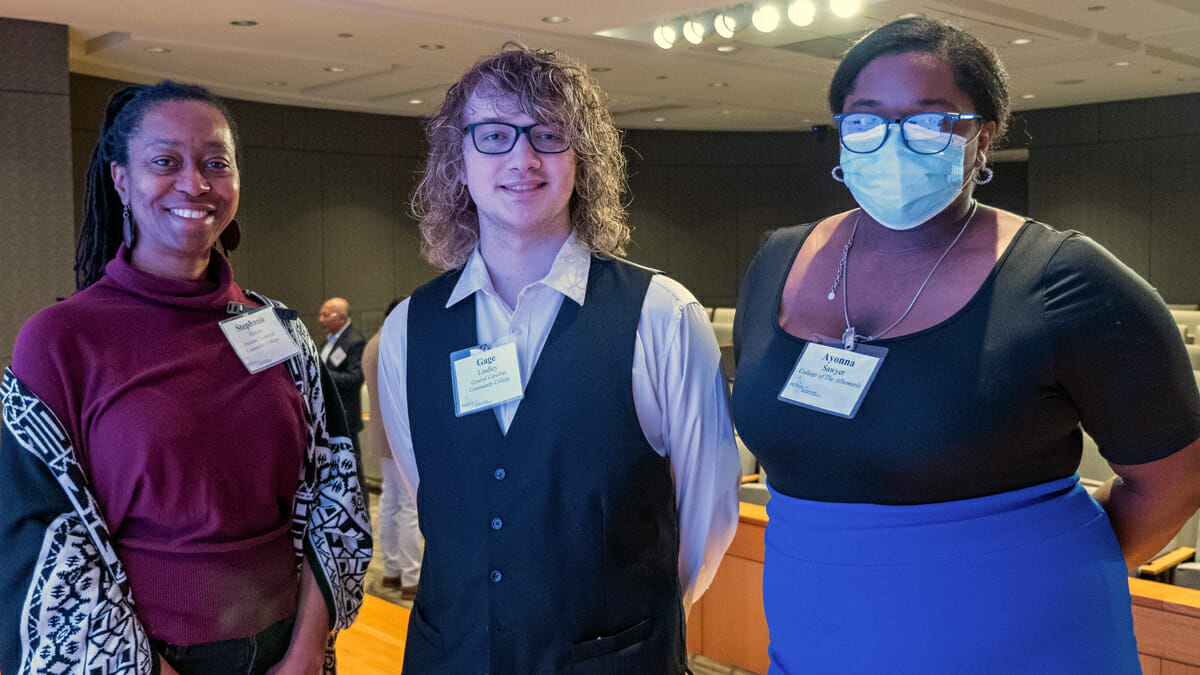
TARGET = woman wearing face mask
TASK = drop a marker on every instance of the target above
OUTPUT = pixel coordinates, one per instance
(913, 374)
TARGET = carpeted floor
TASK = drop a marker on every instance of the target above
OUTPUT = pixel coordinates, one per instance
(699, 664)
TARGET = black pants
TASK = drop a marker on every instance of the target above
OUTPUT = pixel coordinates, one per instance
(252, 655)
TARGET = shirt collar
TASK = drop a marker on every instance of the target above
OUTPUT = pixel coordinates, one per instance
(568, 273)
(333, 337)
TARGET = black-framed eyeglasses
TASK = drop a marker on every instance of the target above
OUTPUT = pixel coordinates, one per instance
(926, 133)
(497, 138)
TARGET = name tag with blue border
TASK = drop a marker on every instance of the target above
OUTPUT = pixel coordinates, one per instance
(485, 377)
(259, 338)
(831, 379)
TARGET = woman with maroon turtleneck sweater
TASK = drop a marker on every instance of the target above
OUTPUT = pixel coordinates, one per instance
(170, 499)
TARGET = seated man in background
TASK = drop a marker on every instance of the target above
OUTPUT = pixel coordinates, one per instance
(560, 413)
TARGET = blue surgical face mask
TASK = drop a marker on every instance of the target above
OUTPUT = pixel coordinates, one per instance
(901, 189)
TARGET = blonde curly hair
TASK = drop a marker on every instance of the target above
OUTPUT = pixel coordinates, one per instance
(556, 91)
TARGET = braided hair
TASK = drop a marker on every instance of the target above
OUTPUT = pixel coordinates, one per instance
(101, 233)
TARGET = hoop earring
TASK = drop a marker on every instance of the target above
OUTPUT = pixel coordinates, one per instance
(231, 236)
(984, 175)
(129, 230)
(838, 174)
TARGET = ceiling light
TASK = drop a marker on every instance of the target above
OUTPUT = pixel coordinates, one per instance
(801, 12)
(555, 19)
(243, 23)
(667, 34)
(1028, 96)
(695, 28)
(157, 50)
(1020, 41)
(718, 85)
(727, 49)
(1119, 64)
(726, 111)
(335, 69)
(415, 101)
(433, 47)
(731, 20)
(906, 15)
(766, 17)
(845, 8)
(660, 119)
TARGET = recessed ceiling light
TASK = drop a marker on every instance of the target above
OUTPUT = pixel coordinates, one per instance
(157, 50)
(1027, 96)
(727, 49)
(245, 23)
(906, 15)
(276, 83)
(433, 47)
(345, 35)
(416, 101)
(660, 119)
(335, 69)
(726, 111)
(600, 69)
(1020, 41)
(1119, 64)
(718, 85)
(555, 19)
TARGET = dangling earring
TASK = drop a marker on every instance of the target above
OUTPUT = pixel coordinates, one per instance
(837, 174)
(129, 229)
(231, 236)
(984, 175)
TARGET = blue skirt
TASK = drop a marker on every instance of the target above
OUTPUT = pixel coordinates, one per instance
(1028, 581)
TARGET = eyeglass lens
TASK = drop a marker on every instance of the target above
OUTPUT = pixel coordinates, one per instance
(923, 133)
(497, 138)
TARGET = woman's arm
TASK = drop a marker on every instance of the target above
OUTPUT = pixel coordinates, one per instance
(1148, 503)
(310, 635)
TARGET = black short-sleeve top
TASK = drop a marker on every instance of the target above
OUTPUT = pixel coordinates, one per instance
(1060, 334)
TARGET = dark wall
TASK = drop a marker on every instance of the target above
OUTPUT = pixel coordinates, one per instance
(1125, 173)
(324, 199)
(35, 174)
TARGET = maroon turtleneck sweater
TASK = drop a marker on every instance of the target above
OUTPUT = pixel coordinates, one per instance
(194, 461)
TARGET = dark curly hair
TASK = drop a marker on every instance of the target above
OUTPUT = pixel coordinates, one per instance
(100, 234)
(555, 90)
(977, 68)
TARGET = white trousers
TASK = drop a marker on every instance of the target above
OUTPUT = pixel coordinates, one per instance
(400, 538)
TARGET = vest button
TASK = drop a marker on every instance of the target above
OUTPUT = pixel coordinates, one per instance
(496, 576)
(500, 474)
(497, 523)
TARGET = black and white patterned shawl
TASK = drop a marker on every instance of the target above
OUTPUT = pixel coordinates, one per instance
(78, 616)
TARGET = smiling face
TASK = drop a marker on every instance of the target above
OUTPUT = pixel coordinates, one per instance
(522, 192)
(181, 185)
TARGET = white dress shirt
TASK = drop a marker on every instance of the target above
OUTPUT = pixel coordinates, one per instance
(679, 392)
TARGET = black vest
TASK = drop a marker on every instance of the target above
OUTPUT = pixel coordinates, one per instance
(552, 549)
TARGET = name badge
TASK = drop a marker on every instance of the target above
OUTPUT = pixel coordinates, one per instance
(485, 377)
(833, 380)
(259, 338)
(337, 356)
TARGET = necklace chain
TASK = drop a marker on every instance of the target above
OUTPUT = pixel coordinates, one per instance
(850, 337)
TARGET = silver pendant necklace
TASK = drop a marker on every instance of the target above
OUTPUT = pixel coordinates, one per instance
(850, 338)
